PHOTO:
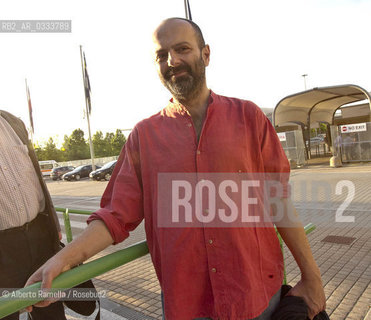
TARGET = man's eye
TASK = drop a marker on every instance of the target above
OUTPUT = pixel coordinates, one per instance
(182, 49)
(162, 57)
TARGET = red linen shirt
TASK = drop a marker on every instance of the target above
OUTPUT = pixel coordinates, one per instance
(222, 273)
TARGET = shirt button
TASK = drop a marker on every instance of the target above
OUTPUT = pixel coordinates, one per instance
(189, 124)
(211, 241)
(239, 171)
(198, 152)
(213, 270)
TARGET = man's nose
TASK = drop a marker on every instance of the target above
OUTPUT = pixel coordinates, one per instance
(173, 59)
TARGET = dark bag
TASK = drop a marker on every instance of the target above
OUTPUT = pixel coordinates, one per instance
(294, 308)
(84, 307)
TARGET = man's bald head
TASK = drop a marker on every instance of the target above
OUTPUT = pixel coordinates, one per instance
(168, 23)
(181, 57)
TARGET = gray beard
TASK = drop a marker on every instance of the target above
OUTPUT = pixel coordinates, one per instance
(185, 89)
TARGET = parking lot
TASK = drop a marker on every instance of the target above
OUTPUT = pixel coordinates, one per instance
(82, 188)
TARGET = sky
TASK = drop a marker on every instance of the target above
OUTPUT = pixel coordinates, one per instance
(259, 52)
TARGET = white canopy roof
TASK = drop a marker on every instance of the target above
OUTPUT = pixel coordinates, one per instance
(316, 105)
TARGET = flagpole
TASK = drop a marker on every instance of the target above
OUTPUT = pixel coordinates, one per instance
(87, 112)
(29, 111)
(187, 9)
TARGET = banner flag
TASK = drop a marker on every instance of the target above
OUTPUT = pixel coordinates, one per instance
(29, 107)
(87, 86)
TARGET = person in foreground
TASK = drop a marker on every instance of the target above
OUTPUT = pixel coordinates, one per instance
(204, 272)
(29, 227)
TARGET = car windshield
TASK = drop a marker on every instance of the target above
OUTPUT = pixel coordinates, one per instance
(46, 166)
(78, 168)
(109, 164)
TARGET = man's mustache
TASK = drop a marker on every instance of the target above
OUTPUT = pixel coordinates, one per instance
(174, 70)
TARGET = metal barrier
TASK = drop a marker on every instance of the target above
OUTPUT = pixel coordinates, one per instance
(82, 273)
(352, 142)
(293, 144)
(66, 215)
(87, 212)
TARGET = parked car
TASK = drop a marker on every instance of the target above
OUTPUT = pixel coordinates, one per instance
(58, 172)
(79, 172)
(103, 173)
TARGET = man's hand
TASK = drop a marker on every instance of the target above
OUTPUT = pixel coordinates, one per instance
(46, 273)
(310, 286)
(311, 290)
(94, 239)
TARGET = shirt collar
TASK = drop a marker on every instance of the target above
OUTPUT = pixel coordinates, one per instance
(179, 108)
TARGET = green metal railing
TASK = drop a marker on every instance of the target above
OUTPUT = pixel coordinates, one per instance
(86, 271)
(87, 212)
(67, 223)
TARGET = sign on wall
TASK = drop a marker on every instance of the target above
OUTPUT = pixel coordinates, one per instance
(357, 127)
(282, 136)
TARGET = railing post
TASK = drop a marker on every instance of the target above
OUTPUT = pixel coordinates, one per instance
(67, 225)
(284, 265)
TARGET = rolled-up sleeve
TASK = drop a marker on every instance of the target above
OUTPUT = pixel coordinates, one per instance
(122, 201)
(276, 165)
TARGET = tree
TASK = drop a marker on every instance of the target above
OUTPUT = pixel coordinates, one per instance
(99, 145)
(118, 142)
(51, 152)
(108, 143)
(76, 146)
(40, 153)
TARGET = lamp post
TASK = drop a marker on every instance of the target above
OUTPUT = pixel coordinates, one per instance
(305, 80)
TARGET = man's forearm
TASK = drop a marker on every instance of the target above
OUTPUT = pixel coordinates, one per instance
(293, 234)
(94, 239)
(310, 287)
(297, 242)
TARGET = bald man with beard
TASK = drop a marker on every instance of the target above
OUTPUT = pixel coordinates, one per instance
(204, 272)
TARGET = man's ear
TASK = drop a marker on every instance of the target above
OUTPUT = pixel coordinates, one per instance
(205, 52)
